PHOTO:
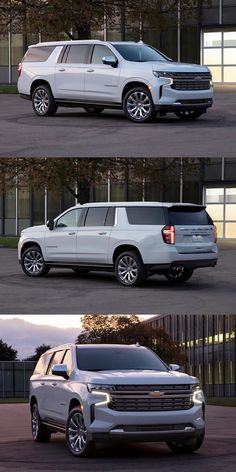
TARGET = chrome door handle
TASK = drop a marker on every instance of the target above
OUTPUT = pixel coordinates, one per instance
(61, 70)
(71, 234)
(42, 383)
(90, 70)
(54, 384)
(101, 234)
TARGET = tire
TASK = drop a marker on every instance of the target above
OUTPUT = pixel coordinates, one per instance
(186, 445)
(33, 263)
(179, 275)
(80, 271)
(189, 115)
(129, 269)
(40, 432)
(93, 110)
(43, 101)
(76, 435)
(138, 105)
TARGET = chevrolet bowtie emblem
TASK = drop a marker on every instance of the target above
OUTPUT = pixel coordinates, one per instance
(156, 394)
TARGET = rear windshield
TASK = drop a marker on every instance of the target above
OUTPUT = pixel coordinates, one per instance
(139, 53)
(38, 54)
(145, 215)
(116, 358)
(189, 216)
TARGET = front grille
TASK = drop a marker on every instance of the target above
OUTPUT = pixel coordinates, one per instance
(191, 80)
(151, 398)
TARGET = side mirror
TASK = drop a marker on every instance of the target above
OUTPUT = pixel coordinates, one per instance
(174, 367)
(50, 224)
(60, 370)
(110, 61)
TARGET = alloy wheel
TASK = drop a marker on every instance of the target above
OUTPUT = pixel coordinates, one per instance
(41, 101)
(127, 270)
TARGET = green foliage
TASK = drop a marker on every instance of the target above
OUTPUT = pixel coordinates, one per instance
(7, 353)
(38, 352)
(9, 242)
(127, 329)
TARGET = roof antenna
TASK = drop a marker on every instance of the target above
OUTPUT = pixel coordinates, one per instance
(137, 344)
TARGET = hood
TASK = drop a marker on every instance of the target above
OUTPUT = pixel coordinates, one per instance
(171, 66)
(34, 229)
(136, 377)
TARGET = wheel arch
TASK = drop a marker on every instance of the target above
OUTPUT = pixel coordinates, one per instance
(33, 401)
(28, 244)
(131, 85)
(73, 404)
(38, 82)
(124, 248)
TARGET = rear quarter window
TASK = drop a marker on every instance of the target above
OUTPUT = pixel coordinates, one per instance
(145, 215)
(189, 216)
(38, 54)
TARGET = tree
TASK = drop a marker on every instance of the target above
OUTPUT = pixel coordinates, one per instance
(127, 329)
(78, 175)
(38, 352)
(7, 353)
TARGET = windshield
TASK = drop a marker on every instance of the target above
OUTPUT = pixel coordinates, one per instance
(139, 53)
(116, 358)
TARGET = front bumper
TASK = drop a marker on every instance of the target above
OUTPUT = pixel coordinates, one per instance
(185, 105)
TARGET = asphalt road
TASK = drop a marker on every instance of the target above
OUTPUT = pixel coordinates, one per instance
(73, 133)
(210, 291)
(19, 452)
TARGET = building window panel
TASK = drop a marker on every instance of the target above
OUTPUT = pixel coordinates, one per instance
(212, 39)
(230, 230)
(10, 204)
(216, 72)
(229, 38)
(214, 195)
(230, 212)
(229, 55)
(230, 196)
(24, 203)
(230, 74)
(216, 212)
(212, 56)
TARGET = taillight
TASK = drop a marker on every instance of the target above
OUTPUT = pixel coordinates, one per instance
(168, 234)
(215, 234)
(19, 69)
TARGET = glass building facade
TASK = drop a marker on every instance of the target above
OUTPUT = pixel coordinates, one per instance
(213, 183)
(207, 36)
(210, 344)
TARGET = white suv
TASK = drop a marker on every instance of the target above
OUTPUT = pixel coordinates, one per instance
(109, 392)
(134, 239)
(97, 75)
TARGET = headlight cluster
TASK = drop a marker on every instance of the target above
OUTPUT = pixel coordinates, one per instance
(99, 387)
(198, 395)
(100, 393)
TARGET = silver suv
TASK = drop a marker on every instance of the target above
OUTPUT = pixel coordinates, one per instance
(97, 75)
(134, 239)
(109, 392)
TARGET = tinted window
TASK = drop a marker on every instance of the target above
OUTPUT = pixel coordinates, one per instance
(187, 216)
(145, 215)
(110, 217)
(139, 53)
(68, 361)
(117, 358)
(99, 52)
(42, 364)
(71, 218)
(77, 54)
(56, 359)
(38, 54)
(96, 216)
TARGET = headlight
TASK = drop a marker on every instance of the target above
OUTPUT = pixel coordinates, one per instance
(100, 393)
(198, 395)
(163, 75)
(99, 387)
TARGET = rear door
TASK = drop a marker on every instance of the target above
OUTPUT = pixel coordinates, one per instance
(194, 229)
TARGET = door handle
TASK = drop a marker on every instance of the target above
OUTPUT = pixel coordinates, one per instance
(54, 384)
(71, 234)
(90, 70)
(101, 234)
(61, 70)
(42, 383)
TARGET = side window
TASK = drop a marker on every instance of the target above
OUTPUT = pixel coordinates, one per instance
(96, 216)
(56, 359)
(145, 215)
(99, 51)
(42, 364)
(110, 218)
(67, 359)
(71, 218)
(77, 54)
(38, 54)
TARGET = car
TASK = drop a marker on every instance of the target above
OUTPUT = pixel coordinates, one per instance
(132, 239)
(106, 392)
(97, 74)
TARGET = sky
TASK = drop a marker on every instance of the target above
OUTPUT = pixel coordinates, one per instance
(60, 321)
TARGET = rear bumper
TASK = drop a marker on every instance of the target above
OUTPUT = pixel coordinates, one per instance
(187, 264)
